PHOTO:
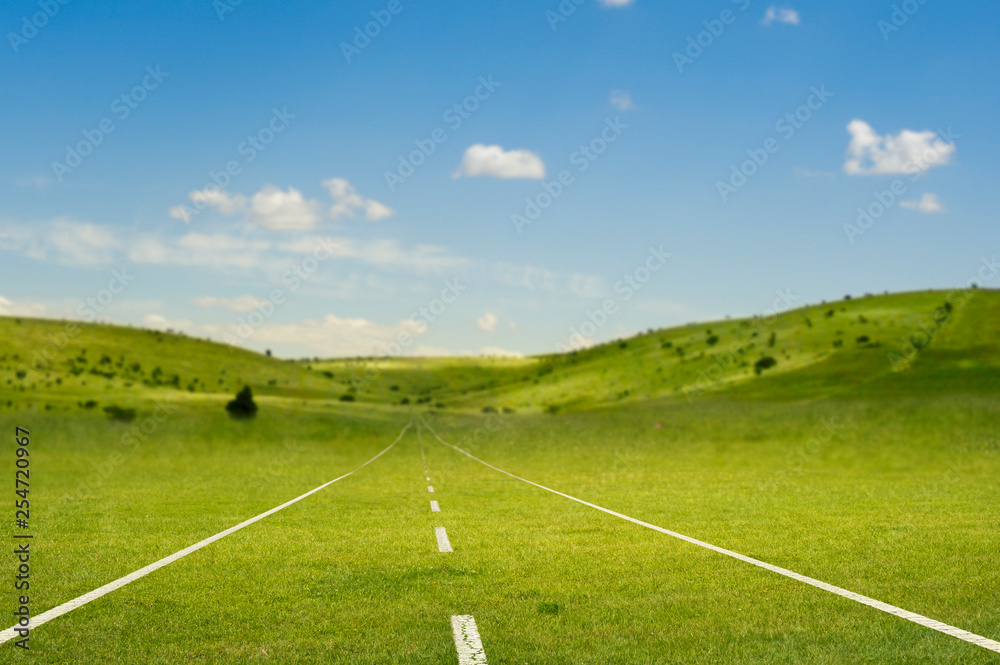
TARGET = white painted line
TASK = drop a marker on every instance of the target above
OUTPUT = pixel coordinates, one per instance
(71, 605)
(467, 642)
(972, 638)
(435, 508)
(430, 489)
(442, 538)
(428, 479)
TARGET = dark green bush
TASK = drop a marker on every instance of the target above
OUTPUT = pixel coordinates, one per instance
(120, 414)
(767, 362)
(243, 406)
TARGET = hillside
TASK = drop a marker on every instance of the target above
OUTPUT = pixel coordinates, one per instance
(882, 346)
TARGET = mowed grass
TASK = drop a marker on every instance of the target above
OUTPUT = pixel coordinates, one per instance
(839, 463)
(901, 504)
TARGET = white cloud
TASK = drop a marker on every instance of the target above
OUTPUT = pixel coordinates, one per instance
(493, 161)
(616, 3)
(928, 204)
(239, 304)
(334, 336)
(908, 152)
(622, 99)
(10, 308)
(227, 204)
(381, 252)
(160, 322)
(277, 210)
(346, 201)
(198, 249)
(541, 279)
(64, 241)
(487, 322)
(783, 15)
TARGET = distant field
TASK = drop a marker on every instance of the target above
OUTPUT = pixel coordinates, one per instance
(838, 462)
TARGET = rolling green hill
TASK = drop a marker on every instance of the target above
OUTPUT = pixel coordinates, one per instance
(877, 346)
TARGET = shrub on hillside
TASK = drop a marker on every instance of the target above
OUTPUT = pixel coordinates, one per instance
(347, 397)
(767, 362)
(120, 414)
(243, 406)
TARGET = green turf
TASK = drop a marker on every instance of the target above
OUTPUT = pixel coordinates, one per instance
(836, 463)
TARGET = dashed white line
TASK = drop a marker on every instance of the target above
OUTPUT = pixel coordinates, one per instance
(430, 489)
(435, 508)
(467, 642)
(442, 538)
(71, 605)
(961, 634)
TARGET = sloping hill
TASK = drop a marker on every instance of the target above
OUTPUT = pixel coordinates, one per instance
(877, 346)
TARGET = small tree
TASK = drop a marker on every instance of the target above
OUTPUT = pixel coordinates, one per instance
(243, 406)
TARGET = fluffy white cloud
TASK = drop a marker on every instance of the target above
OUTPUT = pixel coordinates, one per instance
(277, 210)
(908, 152)
(493, 161)
(784, 15)
(622, 100)
(487, 322)
(928, 204)
(346, 201)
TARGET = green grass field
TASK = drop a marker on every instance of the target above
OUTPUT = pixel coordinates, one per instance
(866, 456)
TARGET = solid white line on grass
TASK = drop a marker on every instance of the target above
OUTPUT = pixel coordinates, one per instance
(442, 538)
(71, 605)
(428, 479)
(435, 508)
(430, 489)
(467, 642)
(972, 638)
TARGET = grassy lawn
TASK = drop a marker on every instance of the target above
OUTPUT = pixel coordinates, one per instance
(834, 464)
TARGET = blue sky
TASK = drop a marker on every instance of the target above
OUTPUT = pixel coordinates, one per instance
(675, 97)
